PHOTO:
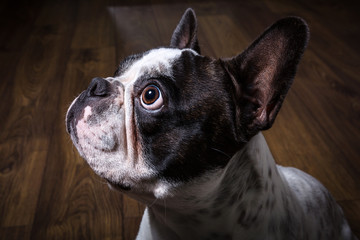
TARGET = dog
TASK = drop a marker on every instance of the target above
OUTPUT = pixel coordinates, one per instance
(181, 133)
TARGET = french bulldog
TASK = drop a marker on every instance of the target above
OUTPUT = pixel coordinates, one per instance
(181, 133)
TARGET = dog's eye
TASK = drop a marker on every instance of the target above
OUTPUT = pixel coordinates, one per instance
(151, 98)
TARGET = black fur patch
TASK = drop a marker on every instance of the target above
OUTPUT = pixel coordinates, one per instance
(192, 132)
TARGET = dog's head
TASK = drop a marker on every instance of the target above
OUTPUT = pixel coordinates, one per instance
(170, 115)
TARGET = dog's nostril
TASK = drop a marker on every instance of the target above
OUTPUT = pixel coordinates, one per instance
(98, 87)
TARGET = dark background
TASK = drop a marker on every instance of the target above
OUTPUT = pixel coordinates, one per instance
(50, 50)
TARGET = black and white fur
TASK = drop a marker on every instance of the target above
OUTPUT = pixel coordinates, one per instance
(180, 132)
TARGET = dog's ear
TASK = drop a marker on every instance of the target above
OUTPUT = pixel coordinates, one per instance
(264, 72)
(185, 34)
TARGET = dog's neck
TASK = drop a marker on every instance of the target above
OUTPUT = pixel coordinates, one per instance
(212, 202)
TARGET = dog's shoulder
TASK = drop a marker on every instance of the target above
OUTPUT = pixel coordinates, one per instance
(312, 195)
(320, 208)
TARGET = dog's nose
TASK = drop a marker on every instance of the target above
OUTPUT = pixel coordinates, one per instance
(98, 87)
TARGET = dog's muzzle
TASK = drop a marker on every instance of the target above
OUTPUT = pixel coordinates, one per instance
(99, 88)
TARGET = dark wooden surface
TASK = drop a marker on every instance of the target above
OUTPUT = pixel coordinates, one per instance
(50, 50)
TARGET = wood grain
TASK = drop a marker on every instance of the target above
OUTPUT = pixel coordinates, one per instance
(50, 50)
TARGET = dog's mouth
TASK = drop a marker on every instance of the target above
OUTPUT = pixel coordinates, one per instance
(119, 186)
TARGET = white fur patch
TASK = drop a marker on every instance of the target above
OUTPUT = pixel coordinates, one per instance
(158, 60)
(163, 189)
(87, 112)
(105, 141)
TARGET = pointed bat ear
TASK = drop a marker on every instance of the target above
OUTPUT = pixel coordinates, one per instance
(264, 72)
(185, 34)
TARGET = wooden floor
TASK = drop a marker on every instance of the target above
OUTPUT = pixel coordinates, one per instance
(50, 50)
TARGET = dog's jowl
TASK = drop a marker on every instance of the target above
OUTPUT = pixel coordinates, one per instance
(180, 132)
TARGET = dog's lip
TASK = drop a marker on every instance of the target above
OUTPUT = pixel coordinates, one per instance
(71, 129)
(69, 126)
(69, 120)
(120, 186)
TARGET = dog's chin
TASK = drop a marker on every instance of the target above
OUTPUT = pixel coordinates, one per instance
(138, 181)
(145, 190)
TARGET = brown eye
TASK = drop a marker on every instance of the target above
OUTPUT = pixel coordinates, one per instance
(151, 98)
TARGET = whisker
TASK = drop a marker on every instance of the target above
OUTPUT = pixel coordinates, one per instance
(223, 153)
(153, 203)
(165, 209)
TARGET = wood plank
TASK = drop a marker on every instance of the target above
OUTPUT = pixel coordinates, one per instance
(87, 208)
(24, 141)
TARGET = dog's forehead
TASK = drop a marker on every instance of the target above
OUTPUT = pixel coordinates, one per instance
(156, 61)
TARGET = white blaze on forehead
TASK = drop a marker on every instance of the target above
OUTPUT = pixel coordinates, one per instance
(159, 60)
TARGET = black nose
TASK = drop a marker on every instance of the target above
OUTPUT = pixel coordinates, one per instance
(98, 87)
